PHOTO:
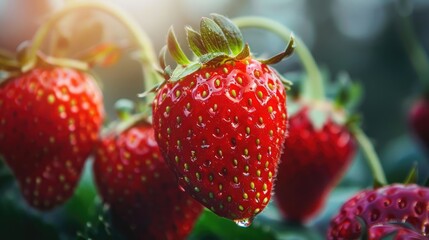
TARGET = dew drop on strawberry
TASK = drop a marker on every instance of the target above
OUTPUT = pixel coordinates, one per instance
(245, 222)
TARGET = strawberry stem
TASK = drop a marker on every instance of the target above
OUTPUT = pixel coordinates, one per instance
(415, 50)
(147, 54)
(314, 85)
(370, 155)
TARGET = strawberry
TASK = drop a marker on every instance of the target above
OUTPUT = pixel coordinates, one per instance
(141, 190)
(392, 203)
(49, 122)
(220, 122)
(419, 119)
(315, 160)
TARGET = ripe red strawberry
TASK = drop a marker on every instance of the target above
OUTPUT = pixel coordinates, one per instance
(49, 122)
(315, 160)
(396, 202)
(419, 119)
(221, 122)
(382, 231)
(144, 198)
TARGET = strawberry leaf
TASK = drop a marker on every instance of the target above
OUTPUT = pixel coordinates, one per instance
(213, 37)
(195, 42)
(245, 52)
(287, 52)
(175, 50)
(231, 31)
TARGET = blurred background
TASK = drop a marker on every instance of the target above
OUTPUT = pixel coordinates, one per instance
(364, 38)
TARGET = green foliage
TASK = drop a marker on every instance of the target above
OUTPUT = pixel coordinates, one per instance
(19, 223)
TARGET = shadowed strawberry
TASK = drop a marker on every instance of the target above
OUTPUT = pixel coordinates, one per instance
(50, 118)
(316, 159)
(392, 203)
(142, 192)
(220, 122)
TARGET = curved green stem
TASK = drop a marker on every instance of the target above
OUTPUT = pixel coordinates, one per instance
(370, 155)
(315, 82)
(415, 50)
(147, 53)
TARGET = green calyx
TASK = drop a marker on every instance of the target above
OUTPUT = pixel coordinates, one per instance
(218, 41)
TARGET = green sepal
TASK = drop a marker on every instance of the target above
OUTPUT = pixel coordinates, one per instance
(154, 89)
(412, 176)
(353, 120)
(165, 70)
(161, 57)
(181, 72)
(287, 52)
(195, 42)
(232, 33)
(124, 108)
(286, 83)
(214, 58)
(175, 50)
(318, 117)
(168, 71)
(213, 37)
(244, 53)
(296, 79)
(349, 93)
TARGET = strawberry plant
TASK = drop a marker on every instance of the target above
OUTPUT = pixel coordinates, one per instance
(222, 143)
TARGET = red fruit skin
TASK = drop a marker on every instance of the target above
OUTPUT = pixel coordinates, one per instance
(314, 162)
(144, 198)
(49, 122)
(419, 121)
(221, 129)
(378, 232)
(396, 202)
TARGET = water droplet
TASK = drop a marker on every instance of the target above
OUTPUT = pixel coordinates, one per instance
(245, 222)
